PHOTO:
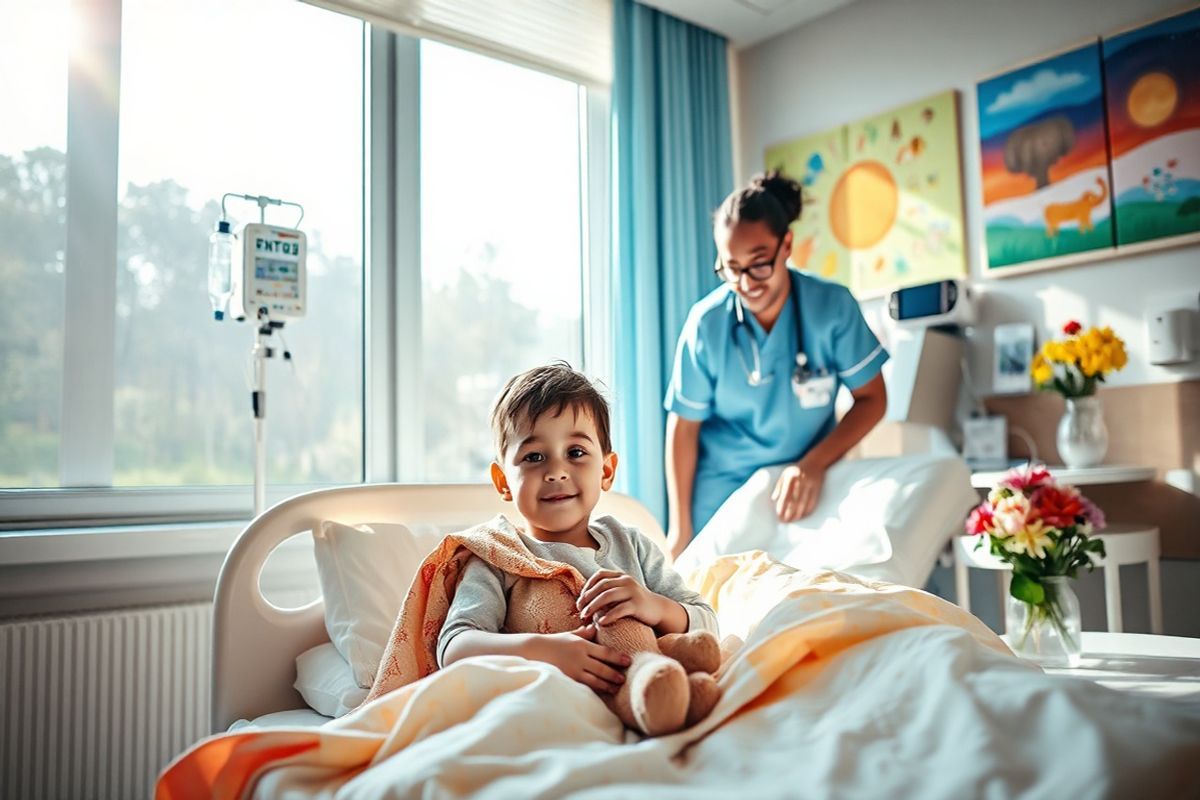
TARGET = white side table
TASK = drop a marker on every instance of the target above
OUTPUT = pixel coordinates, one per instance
(1142, 546)
(1079, 476)
(1122, 544)
(1166, 666)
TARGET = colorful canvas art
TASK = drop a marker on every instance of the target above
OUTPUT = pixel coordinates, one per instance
(882, 198)
(902, 217)
(817, 162)
(1152, 79)
(1046, 186)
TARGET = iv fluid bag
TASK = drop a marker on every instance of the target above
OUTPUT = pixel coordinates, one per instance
(220, 268)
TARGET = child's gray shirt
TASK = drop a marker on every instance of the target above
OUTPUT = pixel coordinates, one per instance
(481, 600)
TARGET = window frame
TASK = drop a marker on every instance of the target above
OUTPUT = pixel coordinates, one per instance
(594, 107)
(85, 451)
(391, 352)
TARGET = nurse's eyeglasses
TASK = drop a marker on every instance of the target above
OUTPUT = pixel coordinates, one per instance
(759, 271)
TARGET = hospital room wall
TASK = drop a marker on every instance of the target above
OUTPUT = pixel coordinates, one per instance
(872, 55)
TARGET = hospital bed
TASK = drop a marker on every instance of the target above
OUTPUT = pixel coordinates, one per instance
(884, 519)
(255, 643)
(843, 687)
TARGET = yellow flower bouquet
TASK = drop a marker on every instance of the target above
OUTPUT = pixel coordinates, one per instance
(1073, 366)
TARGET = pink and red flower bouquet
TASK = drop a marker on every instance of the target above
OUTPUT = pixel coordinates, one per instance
(1039, 527)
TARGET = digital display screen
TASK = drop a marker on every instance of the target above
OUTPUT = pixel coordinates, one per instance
(267, 269)
(921, 301)
(281, 278)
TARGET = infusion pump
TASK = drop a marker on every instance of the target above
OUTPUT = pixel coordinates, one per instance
(271, 279)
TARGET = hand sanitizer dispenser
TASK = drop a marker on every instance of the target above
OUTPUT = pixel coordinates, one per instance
(1170, 336)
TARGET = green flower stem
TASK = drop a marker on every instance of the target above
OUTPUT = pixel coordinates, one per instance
(1047, 610)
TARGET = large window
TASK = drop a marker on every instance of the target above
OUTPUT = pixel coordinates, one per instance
(259, 98)
(33, 138)
(501, 247)
(223, 96)
(455, 207)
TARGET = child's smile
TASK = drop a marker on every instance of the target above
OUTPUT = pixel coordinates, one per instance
(555, 471)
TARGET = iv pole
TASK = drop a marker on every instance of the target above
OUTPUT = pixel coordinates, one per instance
(264, 327)
(258, 402)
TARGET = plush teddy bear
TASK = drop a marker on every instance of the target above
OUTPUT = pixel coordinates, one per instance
(668, 686)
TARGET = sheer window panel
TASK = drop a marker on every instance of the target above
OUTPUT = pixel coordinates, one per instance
(33, 208)
(262, 98)
(501, 246)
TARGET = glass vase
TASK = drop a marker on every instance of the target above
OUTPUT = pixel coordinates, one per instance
(1047, 633)
(1082, 436)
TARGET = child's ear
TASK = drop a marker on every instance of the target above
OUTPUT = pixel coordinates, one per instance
(500, 481)
(609, 472)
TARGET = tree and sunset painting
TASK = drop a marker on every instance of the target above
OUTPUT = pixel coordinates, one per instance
(1095, 148)
(1044, 156)
(1152, 78)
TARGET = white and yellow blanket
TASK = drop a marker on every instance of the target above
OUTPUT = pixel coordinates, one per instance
(843, 688)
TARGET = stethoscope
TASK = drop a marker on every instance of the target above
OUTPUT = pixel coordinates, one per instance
(754, 375)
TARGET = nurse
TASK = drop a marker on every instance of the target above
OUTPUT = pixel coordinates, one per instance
(758, 366)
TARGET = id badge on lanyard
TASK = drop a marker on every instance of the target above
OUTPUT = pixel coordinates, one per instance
(813, 390)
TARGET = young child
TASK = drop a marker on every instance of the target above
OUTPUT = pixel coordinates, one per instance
(554, 458)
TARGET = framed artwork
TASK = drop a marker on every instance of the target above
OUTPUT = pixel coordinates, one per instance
(1095, 152)
(1013, 347)
(882, 198)
(1152, 80)
(901, 203)
(1044, 157)
(817, 162)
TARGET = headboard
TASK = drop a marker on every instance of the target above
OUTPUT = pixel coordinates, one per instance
(255, 643)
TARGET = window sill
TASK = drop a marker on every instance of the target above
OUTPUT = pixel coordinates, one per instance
(97, 568)
(105, 508)
(59, 545)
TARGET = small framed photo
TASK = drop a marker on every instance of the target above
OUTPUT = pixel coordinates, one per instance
(1013, 345)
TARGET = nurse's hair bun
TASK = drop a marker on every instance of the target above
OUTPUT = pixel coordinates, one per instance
(782, 188)
(770, 197)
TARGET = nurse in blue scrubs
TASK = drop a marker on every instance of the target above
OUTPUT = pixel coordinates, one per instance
(758, 366)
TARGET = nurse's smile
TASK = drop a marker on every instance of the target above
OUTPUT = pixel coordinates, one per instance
(752, 293)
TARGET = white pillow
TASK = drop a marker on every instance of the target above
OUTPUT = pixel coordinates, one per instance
(365, 572)
(879, 518)
(326, 682)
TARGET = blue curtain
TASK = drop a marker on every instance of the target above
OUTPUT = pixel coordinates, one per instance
(672, 165)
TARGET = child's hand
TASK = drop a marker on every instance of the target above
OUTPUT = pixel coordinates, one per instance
(581, 659)
(615, 596)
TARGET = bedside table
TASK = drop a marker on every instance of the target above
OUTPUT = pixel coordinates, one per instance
(1126, 544)
(1165, 666)
(1083, 476)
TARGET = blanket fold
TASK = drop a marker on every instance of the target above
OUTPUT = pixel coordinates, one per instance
(411, 651)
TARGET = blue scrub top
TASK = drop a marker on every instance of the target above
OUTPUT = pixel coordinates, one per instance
(747, 427)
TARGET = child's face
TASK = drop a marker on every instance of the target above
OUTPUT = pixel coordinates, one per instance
(554, 469)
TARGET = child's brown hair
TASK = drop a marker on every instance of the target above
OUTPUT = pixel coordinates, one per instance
(551, 388)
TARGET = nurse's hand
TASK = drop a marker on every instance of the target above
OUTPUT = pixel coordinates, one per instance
(678, 540)
(797, 491)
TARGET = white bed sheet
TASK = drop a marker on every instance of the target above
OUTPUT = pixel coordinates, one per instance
(879, 518)
(292, 718)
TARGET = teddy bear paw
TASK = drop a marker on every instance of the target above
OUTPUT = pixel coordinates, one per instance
(659, 694)
(697, 651)
(704, 696)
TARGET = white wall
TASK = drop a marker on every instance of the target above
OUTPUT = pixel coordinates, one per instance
(876, 54)
(873, 55)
